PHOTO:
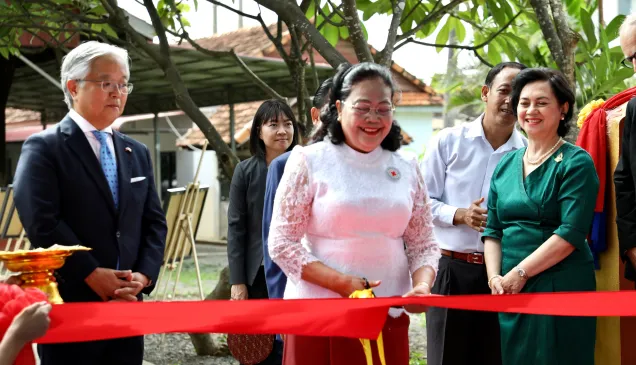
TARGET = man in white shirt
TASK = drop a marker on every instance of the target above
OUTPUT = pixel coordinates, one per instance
(457, 169)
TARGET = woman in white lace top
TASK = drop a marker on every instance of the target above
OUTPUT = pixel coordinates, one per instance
(351, 210)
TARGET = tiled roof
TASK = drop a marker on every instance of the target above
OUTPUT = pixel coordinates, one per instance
(255, 43)
(245, 41)
(419, 99)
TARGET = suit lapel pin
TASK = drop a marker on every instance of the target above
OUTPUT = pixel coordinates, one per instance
(128, 149)
(393, 173)
(559, 158)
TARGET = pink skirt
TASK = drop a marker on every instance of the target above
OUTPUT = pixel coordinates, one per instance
(306, 350)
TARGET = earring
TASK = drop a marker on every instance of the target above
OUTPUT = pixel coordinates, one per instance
(339, 118)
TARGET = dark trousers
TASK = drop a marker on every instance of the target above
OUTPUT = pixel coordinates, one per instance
(258, 290)
(457, 337)
(121, 351)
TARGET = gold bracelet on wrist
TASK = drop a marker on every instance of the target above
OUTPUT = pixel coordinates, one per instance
(422, 283)
(492, 277)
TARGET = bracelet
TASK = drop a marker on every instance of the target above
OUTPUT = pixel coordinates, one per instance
(492, 277)
(422, 283)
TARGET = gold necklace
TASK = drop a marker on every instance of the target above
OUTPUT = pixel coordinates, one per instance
(542, 157)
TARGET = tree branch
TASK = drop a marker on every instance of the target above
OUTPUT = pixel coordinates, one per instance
(412, 11)
(387, 53)
(541, 9)
(468, 21)
(328, 17)
(459, 46)
(360, 45)
(290, 12)
(162, 58)
(483, 60)
(432, 16)
(255, 17)
(568, 38)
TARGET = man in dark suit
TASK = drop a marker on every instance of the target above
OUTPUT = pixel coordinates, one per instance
(82, 183)
(625, 174)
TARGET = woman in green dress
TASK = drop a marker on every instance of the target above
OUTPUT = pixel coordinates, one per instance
(540, 210)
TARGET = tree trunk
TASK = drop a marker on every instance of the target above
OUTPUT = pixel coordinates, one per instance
(7, 68)
(291, 13)
(204, 343)
(360, 45)
(227, 159)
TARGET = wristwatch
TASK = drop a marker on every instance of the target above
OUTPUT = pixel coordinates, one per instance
(522, 273)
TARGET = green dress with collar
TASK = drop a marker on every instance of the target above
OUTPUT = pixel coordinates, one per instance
(558, 197)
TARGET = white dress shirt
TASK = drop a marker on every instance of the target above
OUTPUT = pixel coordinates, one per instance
(457, 169)
(88, 129)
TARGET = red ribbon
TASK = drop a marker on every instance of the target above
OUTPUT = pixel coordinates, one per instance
(357, 318)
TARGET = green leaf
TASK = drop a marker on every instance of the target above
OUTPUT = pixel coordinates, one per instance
(184, 8)
(426, 30)
(460, 30)
(494, 54)
(196, 5)
(442, 35)
(185, 22)
(4, 51)
(506, 47)
(507, 9)
(498, 14)
(110, 31)
(574, 7)
(4, 31)
(365, 34)
(588, 28)
(620, 75)
(612, 28)
(522, 44)
(98, 10)
(311, 10)
(344, 32)
(331, 34)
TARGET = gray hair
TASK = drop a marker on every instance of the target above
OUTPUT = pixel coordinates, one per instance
(628, 23)
(77, 63)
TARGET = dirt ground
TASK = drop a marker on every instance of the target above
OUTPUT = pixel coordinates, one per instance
(177, 349)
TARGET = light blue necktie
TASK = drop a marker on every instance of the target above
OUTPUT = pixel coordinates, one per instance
(109, 166)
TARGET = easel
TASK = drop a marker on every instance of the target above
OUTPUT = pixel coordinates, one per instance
(181, 236)
(11, 226)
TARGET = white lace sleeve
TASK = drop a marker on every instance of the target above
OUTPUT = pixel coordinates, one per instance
(292, 208)
(421, 247)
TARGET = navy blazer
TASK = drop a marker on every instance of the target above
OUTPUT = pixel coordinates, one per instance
(275, 277)
(62, 197)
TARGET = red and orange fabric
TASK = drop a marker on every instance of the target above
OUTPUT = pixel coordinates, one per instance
(593, 138)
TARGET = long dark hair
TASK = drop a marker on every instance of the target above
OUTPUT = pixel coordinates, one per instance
(270, 109)
(346, 77)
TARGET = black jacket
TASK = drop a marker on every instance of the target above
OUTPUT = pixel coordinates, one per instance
(625, 183)
(245, 220)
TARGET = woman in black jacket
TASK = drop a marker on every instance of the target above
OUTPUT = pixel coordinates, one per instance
(274, 131)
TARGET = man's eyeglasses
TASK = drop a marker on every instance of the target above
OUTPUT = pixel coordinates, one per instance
(383, 110)
(629, 61)
(110, 86)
